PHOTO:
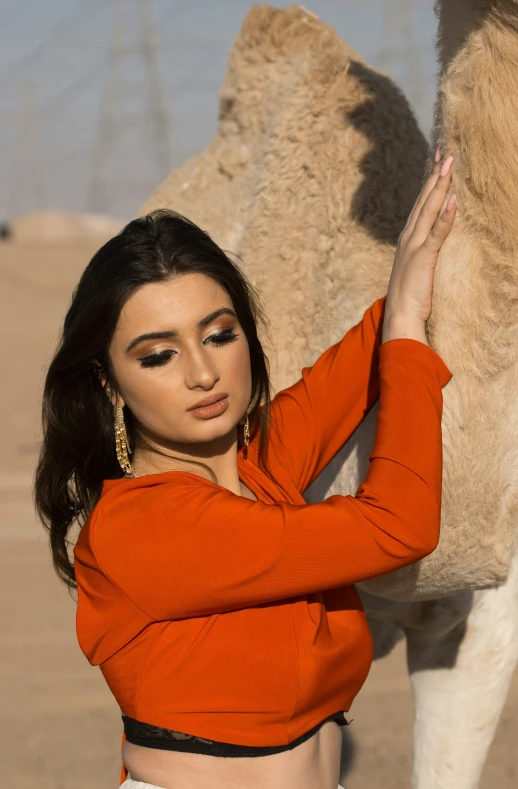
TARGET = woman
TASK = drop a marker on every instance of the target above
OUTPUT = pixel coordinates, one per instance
(218, 604)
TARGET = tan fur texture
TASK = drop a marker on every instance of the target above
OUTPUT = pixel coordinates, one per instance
(310, 178)
(474, 321)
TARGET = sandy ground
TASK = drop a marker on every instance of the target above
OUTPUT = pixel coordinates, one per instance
(60, 727)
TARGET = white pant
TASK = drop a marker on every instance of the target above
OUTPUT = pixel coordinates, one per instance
(130, 784)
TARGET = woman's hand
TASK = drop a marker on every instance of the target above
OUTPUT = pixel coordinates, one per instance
(409, 295)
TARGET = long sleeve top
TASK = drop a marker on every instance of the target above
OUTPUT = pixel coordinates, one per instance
(238, 620)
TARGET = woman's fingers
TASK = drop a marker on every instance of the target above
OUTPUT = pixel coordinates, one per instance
(432, 205)
(436, 237)
(425, 191)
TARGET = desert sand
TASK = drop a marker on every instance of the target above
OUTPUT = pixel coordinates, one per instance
(60, 727)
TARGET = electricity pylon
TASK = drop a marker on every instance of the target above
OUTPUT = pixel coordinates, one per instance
(115, 120)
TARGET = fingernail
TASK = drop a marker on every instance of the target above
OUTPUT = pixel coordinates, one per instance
(438, 153)
(451, 202)
(446, 165)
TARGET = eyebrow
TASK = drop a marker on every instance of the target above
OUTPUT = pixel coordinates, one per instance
(163, 335)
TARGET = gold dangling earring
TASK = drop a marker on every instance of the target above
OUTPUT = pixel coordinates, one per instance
(121, 442)
(246, 436)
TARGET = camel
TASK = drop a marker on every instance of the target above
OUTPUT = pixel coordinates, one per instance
(308, 181)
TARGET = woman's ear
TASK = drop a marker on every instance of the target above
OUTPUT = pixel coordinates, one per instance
(103, 380)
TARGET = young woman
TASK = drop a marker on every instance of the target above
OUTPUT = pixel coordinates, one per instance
(220, 606)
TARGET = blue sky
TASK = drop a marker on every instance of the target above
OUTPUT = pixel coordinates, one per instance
(54, 65)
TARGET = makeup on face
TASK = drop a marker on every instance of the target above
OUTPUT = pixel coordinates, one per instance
(210, 411)
(162, 357)
(172, 363)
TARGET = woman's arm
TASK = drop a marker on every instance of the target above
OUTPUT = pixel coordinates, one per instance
(179, 546)
(313, 418)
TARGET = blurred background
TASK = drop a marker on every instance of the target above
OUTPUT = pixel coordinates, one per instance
(100, 98)
(99, 101)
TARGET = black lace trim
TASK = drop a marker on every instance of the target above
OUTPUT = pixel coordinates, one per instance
(150, 736)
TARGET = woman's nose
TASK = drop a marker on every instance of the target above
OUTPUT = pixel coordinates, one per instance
(201, 371)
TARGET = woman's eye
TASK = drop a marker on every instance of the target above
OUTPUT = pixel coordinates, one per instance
(156, 359)
(223, 337)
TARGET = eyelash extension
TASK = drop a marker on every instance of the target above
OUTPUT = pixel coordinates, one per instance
(158, 359)
(222, 337)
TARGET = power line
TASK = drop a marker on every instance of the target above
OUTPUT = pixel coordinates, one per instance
(183, 39)
(61, 99)
(160, 122)
(114, 120)
(43, 47)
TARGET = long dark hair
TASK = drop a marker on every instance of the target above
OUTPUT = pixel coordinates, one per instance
(78, 450)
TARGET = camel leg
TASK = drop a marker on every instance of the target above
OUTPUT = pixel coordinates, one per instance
(460, 670)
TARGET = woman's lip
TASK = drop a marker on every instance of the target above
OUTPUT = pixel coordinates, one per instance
(209, 401)
(210, 411)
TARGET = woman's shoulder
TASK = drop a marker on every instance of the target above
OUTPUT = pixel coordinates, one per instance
(132, 491)
(127, 501)
(148, 482)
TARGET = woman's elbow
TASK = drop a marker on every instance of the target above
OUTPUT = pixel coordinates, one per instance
(428, 542)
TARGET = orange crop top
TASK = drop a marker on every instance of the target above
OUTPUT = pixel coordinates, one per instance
(237, 620)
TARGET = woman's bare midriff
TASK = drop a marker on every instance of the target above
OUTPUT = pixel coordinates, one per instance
(314, 764)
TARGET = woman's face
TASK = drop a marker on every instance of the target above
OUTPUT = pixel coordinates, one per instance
(176, 343)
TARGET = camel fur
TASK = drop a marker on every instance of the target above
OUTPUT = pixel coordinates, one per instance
(311, 175)
(310, 178)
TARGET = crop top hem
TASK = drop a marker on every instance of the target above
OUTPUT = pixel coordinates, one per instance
(149, 736)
